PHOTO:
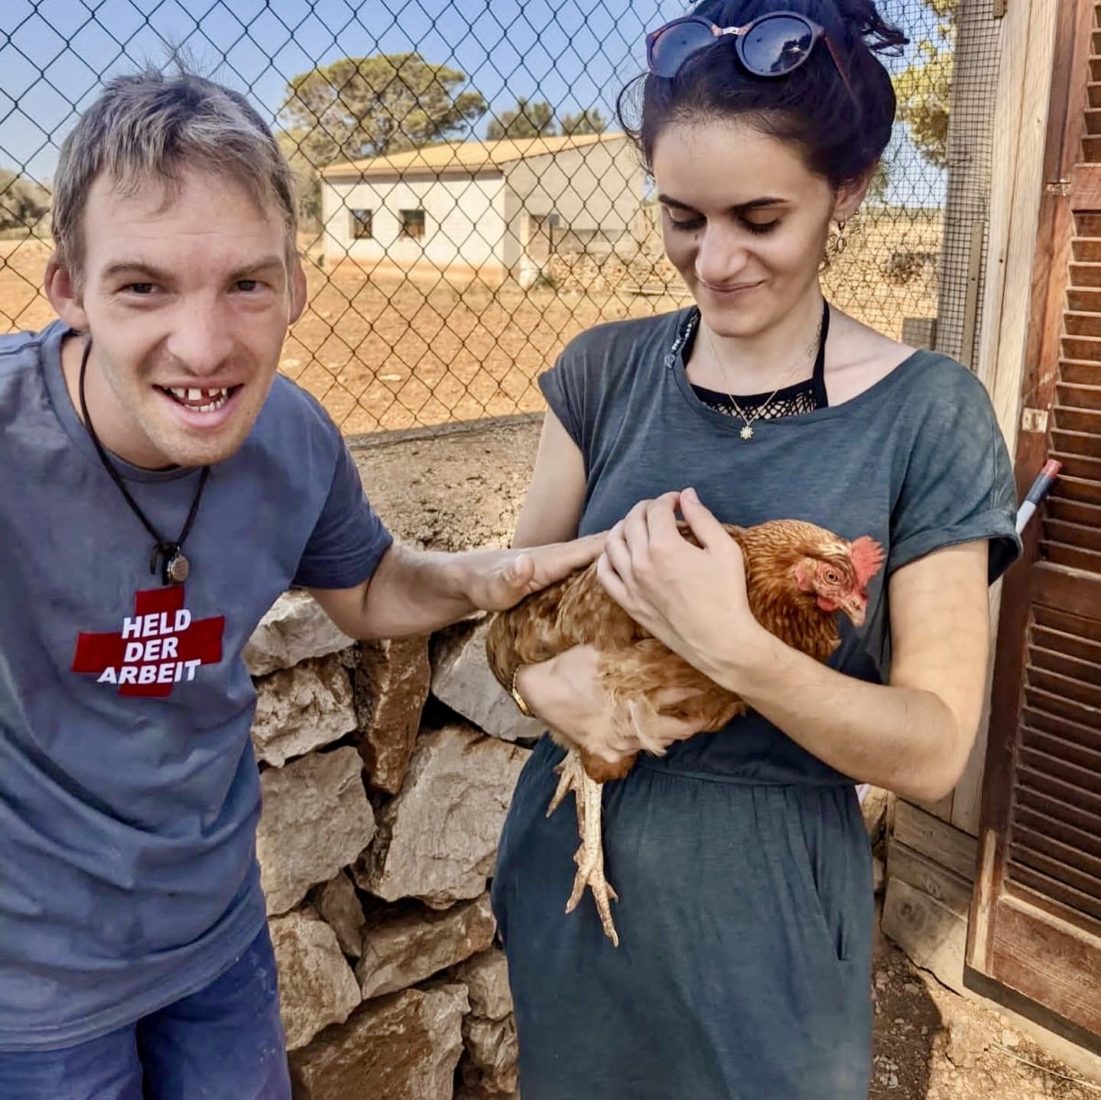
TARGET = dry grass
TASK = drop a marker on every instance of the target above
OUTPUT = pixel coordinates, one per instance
(393, 352)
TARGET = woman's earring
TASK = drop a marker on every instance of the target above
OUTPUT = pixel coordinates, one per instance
(839, 241)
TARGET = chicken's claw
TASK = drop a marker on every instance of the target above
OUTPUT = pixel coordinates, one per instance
(590, 856)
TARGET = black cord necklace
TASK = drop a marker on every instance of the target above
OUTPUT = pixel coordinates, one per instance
(174, 567)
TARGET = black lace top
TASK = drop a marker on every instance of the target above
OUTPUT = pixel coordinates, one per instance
(801, 397)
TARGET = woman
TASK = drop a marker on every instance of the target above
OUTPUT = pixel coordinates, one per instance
(740, 857)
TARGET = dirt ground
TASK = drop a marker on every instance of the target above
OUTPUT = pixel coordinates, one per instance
(932, 1044)
(383, 351)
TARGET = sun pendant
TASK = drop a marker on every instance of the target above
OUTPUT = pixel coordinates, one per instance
(746, 432)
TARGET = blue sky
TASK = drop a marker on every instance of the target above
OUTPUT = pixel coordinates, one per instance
(574, 53)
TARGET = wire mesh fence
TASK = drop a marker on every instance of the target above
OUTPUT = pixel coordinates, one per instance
(467, 201)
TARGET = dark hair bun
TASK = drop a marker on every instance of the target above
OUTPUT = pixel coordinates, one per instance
(867, 24)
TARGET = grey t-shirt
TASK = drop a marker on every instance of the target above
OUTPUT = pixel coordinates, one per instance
(917, 462)
(129, 793)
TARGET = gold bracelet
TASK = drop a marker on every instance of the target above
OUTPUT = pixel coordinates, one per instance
(517, 698)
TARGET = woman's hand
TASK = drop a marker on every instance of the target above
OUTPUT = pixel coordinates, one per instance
(692, 598)
(565, 692)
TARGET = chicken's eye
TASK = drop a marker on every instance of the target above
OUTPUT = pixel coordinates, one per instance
(832, 576)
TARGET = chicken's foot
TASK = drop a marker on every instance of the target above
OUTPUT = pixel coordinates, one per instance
(589, 858)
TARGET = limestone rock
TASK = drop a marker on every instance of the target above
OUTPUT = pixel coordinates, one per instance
(315, 820)
(316, 985)
(338, 904)
(461, 678)
(391, 686)
(494, 1054)
(402, 1047)
(966, 1042)
(486, 979)
(293, 630)
(302, 708)
(438, 837)
(399, 952)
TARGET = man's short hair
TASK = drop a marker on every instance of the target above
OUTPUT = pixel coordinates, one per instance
(155, 126)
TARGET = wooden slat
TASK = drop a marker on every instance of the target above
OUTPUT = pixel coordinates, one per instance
(1055, 807)
(1073, 557)
(1082, 318)
(1070, 791)
(928, 876)
(1055, 896)
(1058, 705)
(1078, 373)
(1062, 861)
(1069, 623)
(1069, 419)
(1035, 823)
(1087, 348)
(1079, 488)
(1073, 444)
(1088, 695)
(935, 839)
(1086, 249)
(1067, 507)
(1076, 744)
(1085, 535)
(1075, 396)
(1085, 275)
(1065, 664)
(1057, 589)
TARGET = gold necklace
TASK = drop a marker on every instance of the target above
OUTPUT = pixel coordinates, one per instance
(747, 429)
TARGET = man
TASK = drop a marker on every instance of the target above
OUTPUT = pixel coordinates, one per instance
(163, 487)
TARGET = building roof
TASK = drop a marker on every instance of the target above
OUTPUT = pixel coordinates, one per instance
(463, 157)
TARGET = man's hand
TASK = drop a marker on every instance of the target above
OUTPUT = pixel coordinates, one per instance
(495, 580)
(418, 591)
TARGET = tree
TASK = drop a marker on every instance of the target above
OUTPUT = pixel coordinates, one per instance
(373, 106)
(589, 121)
(924, 88)
(526, 120)
(23, 203)
(307, 182)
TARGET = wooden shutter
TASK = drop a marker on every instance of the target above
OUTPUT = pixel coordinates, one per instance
(1036, 913)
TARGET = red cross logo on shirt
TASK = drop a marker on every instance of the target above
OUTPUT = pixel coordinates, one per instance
(158, 646)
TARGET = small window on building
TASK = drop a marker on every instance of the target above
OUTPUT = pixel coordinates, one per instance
(412, 223)
(361, 224)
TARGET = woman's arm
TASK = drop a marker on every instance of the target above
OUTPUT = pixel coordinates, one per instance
(912, 735)
(556, 495)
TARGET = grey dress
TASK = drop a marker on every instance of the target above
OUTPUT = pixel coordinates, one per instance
(740, 859)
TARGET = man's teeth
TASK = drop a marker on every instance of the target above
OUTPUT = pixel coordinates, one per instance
(200, 400)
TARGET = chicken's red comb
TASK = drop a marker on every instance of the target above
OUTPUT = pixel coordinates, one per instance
(867, 556)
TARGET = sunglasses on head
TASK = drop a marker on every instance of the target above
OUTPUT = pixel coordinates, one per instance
(771, 45)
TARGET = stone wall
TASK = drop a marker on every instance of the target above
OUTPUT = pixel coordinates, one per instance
(381, 813)
(386, 771)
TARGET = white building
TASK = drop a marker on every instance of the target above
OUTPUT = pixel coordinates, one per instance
(493, 207)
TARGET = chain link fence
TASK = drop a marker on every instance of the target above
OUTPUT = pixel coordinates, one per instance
(468, 203)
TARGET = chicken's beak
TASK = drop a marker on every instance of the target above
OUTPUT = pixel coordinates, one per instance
(856, 607)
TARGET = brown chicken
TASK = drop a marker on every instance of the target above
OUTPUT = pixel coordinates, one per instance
(798, 576)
